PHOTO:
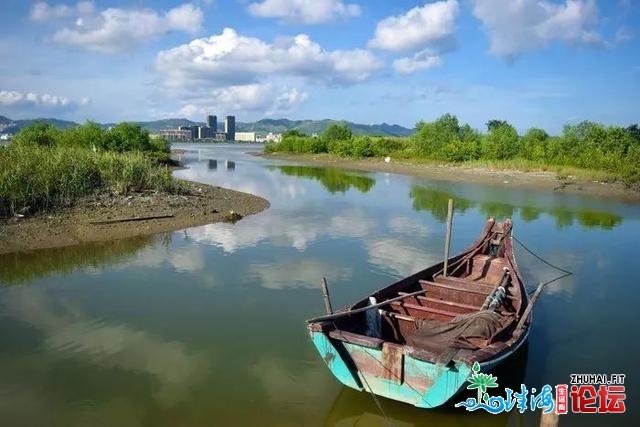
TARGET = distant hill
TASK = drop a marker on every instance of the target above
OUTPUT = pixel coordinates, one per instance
(157, 125)
(265, 126)
(12, 126)
(261, 127)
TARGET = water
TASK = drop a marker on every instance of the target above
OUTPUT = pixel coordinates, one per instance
(205, 326)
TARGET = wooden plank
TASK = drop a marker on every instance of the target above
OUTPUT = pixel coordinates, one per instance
(424, 308)
(393, 362)
(465, 283)
(460, 287)
(443, 301)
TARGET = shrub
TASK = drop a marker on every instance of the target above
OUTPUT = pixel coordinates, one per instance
(38, 133)
(337, 132)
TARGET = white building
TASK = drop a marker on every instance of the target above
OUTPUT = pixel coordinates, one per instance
(246, 136)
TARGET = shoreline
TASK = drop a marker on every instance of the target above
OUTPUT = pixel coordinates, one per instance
(509, 178)
(106, 216)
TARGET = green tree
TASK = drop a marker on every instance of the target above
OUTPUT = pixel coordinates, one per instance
(431, 138)
(38, 133)
(88, 135)
(337, 132)
(127, 137)
(534, 144)
(492, 124)
(634, 131)
(501, 142)
(292, 133)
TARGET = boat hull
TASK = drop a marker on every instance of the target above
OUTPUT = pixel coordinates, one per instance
(417, 382)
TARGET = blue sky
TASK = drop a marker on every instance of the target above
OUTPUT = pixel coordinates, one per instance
(532, 62)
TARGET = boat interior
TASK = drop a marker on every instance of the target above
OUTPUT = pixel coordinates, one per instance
(472, 306)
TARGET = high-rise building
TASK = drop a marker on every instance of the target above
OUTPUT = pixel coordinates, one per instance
(212, 122)
(230, 127)
(194, 132)
(205, 132)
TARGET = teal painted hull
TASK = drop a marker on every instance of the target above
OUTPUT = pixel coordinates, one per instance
(421, 383)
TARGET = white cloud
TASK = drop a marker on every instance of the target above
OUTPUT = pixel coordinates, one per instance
(231, 59)
(408, 226)
(44, 100)
(420, 61)
(283, 229)
(527, 25)
(116, 30)
(422, 27)
(623, 34)
(305, 273)
(306, 11)
(265, 98)
(397, 257)
(42, 11)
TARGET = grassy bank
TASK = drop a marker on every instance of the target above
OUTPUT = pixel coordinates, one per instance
(585, 149)
(45, 168)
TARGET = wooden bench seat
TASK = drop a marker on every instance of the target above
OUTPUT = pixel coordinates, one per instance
(423, 312)
(440, 303)
(457, 291)
(463, 284)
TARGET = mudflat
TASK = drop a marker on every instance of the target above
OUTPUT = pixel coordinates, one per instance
(108, 216)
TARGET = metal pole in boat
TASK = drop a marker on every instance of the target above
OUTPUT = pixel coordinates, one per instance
(447, 240)
(325, 295)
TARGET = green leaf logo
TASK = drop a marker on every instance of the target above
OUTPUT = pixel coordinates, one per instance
(481, 382)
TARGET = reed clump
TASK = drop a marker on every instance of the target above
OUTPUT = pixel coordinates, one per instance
(44, 169)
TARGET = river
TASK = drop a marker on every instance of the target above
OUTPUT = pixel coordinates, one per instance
(205, 326)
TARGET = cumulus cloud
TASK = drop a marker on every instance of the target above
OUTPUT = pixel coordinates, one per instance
(527, 25)
(427, 30)
(420, 61)
(248, 74)
(229, 58)
(42, 11)
(42, 100)
(422, 27)
(267, 98)
(117, 30)
(306, 11)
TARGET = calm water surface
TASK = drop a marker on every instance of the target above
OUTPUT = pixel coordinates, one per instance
(205, 326)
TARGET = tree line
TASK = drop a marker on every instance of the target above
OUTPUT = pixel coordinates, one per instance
(586, 145)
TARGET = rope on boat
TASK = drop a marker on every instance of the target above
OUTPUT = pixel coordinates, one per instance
(541, 286)
(370, 390)
(375, 399)
(566, 272)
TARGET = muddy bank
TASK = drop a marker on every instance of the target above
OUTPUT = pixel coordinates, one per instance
(459, 173)
(99, 217)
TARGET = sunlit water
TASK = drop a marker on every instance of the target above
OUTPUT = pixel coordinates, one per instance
(205, 326)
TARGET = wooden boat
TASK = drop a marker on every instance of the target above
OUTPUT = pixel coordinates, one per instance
(416, 340)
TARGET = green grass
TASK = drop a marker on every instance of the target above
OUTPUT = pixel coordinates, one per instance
(37, 178)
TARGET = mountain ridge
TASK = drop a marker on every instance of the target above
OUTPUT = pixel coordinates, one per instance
(261, 127)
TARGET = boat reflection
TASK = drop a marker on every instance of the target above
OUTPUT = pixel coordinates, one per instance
(353, 408)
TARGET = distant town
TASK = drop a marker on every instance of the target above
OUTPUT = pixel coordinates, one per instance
(185, 130)
(210, 132)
